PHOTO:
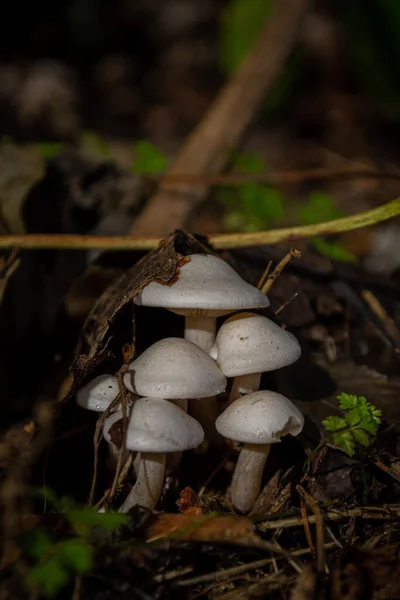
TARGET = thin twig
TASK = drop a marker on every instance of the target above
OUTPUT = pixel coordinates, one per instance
(319, 527)
(264, 276)
(124, 472)
(124, 402)
(8, 267)
(227, 573)
(220, 240)
(306, 525)
(389, 512)
(294, 253)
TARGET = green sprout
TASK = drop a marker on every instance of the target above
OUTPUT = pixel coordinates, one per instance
(358, 425)
(148, 158)
(55, 562)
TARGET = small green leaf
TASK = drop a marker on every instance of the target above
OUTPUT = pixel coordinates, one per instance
(148, 158)
(369, 426)
(37, 543)
(347, 401)
(76, 554)
(83, 519)
(49, 577)
(334, 423)
(344, 441)
(361, 437)
(50, 149)
(353, 417)
(320, 207)
(333, 250)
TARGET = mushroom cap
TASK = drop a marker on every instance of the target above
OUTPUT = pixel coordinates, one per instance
(99, 393)
(174, 368)
(157, 425)
(252, 343)
(260, 418)
(206, 286)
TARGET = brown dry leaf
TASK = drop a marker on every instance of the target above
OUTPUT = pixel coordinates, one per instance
(206, 528)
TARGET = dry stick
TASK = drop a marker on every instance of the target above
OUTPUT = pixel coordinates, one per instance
(124, 401)
(227, 573)
(319, 527)
(364, 512)
(124, 472)
(306, 525)
(207, 148)
(294, 253)
(264, 276)
(219, 240)
(277, 177)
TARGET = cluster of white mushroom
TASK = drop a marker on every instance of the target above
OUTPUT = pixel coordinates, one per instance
(174, 370)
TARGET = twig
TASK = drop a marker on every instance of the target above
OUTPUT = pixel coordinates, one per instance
(277, 177)
(306, 525)
(383, 317)
(8, 267)
(207, 148)
(319, 527)
(219, 240)
(121, 479)
(389, 512)
(124, 401)
(228, 573)
(294, 253)
(264, 276)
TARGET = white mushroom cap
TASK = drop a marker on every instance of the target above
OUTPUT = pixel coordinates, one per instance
(174, 368)
(252, 343)
(157, 425)
(260, 418)
(207, 285)
(99, 393)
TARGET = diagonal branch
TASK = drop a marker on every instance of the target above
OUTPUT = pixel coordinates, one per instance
(206, 150)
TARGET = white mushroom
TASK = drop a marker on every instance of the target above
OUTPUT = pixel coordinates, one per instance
(248, 345)
(206, 288)
(176, 369)
(98, 394)
(156, 427)
(258, 420)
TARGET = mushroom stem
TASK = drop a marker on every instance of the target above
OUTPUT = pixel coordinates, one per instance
(246, 481)
(201, 331)
(147, 489)
(244, 384)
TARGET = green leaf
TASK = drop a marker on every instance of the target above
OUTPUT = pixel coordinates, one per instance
(344, 441)
(83, 519)
(369, 426)
(334, 423)
(320, 207)
(347, 401)
(77, 554)
(49, 577)
(37, 543)
(250, 163)
(361, 437)
(49, 149)
(148, 158)
(353, 417)
(333, 250)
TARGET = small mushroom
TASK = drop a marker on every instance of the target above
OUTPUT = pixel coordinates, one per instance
(248, 345)
(156, 427)
(177, 369)
(98, 394)
(258, 420)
